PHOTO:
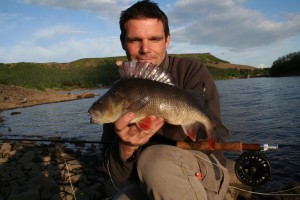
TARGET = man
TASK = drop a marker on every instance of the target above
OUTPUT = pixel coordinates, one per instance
(161, 171)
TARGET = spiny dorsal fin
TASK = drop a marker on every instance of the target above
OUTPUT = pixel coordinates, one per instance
(143, 70)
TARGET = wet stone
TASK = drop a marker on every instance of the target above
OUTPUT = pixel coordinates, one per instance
(31, 171)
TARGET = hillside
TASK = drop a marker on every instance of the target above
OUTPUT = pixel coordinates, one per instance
(231, 66)
(95, 72)
(207, 58)
(213, 61)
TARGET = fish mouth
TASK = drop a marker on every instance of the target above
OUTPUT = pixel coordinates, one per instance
(92, 120)
(92, 117)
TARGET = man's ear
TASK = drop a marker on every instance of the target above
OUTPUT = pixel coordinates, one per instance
(167, 41)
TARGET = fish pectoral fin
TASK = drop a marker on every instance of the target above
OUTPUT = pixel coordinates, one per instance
(145, 123)
(139, 104)
(191, 130)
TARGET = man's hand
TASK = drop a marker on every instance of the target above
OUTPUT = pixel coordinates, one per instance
(132, 136)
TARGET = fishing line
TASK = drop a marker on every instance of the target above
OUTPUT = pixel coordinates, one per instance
(109, 174)
(267, 194)
(257, 193)
(62, 154)
(286, 190)
(67, 166)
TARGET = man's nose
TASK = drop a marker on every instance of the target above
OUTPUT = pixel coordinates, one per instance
(144, 48)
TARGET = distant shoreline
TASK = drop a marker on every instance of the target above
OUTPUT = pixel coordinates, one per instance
(266, 76)
(12, 97)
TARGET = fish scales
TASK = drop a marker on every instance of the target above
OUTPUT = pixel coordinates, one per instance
(164, 100)
(145, 96)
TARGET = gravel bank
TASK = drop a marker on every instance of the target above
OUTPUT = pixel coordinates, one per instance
(50, 171)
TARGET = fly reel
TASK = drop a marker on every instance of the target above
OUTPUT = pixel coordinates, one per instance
(253, 168)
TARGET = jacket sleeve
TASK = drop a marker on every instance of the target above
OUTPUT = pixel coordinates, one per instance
(115, 166)
(201, 79)
(194, 75)
(199, 76)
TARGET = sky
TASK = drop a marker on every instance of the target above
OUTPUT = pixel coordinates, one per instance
(248, 32)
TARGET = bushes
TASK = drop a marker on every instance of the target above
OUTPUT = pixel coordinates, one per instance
(87, 73)
(288, 64)
(41, 76)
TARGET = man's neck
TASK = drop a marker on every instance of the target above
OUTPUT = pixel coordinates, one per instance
(165, 63)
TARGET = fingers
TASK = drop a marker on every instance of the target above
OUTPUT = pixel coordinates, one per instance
(119, 63)
(122, 124)
(133, 134)
(150, 125)
(137, 136)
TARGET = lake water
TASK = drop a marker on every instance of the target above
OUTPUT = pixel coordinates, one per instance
(259, 110)
(266, 110)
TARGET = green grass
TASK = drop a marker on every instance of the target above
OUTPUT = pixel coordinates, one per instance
(84, 73)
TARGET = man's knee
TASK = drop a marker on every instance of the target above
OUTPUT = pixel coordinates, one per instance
(160, 161)
(161, 168)
(152, 159)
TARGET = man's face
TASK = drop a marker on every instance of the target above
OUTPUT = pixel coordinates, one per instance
(145, 40)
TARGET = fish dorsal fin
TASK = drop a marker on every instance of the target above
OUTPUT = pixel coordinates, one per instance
(144, 70)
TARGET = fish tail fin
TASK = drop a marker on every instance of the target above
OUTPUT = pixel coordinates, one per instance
(219, 132)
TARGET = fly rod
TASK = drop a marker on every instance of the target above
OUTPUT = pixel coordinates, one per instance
(227, 146)
(204, 146)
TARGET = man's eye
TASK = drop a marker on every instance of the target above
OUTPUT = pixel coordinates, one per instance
(133, 40)
(156, 39)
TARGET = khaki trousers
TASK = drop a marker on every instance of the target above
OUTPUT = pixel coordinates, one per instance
(170, 173)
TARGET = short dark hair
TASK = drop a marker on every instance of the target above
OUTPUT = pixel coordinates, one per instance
(140, 10)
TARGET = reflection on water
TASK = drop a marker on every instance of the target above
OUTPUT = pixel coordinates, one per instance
(261, 110)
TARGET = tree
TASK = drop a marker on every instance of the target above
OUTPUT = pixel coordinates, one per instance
(286, 65)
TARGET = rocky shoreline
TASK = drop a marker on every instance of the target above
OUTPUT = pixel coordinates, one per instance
(31, 171)
(52, 171)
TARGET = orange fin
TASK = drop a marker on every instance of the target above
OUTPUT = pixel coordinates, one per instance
(211, 143)
(145, 123)
(191, 130)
